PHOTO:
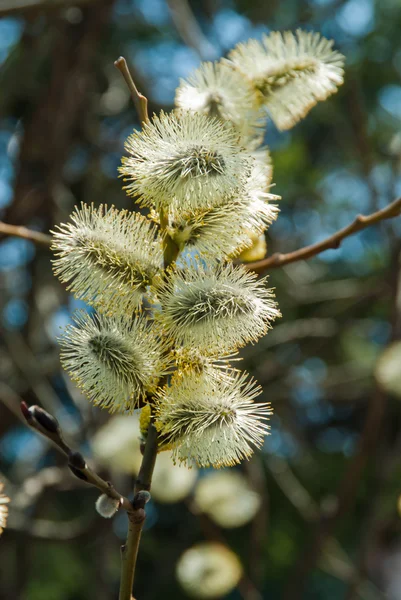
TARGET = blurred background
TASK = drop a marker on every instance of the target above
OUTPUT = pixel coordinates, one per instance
(316, 514)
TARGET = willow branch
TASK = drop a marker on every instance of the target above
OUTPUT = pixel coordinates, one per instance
(27, 234)
(360, 222)
(140, 101)
(129, 551)
(48, 426)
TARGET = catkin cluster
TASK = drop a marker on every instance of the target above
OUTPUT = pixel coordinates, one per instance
(172, 308)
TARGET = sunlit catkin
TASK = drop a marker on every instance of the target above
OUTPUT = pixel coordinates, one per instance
(215, 307)
(115, 361)
(291, 71)
(212, 422)
(186, 161)
(107, 257)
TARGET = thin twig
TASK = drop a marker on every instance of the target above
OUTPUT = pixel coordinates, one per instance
(27, 234)
(360, 222)
(140, 101)
(129, 551)
(48, 426)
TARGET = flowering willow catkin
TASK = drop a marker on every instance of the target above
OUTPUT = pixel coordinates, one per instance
(212, 422)
(291, 72)
(107, 257)
(218, 90)
(4, 500)
(188, 161)
(215, 306)
(115, 361)
(205, 178)
(208, 570)
(227, 228)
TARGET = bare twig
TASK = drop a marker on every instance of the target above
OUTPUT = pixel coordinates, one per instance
(27, 234)
(360, 222)
(129, 551)
(47, 425)
(140, 101)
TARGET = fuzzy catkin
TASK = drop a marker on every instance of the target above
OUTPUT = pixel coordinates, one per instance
(107, 257)
(184, 161)
(215, 307)
(213, 422)
(115, 361)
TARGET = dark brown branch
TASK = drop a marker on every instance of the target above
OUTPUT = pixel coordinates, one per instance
(27, 234)
(48, 426)
(334, 241)
(140, 101)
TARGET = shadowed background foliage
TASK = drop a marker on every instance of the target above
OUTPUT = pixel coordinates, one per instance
(328, 477)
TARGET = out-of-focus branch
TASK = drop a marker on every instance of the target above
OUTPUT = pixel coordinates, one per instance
(189, 30)
(292, 488)
(14, 7)
(11, 400)
(50, 530)
(333, 559)
(47, 425)
(27, 234)
(347, 490)
(334, 241)
(140, 101)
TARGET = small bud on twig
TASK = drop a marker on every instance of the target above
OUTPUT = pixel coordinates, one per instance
(45, 420)
(45, 423)
(78, 473)
(140, 499)
(77, 460)
(25, 411)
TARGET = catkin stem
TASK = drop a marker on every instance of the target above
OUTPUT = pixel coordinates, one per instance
(129, 552)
